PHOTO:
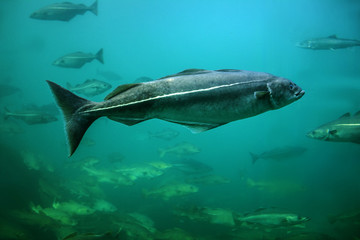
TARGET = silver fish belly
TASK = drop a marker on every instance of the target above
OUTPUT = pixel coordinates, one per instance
(199, 99)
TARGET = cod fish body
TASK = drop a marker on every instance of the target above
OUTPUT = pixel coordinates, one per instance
(328, 43)
(199, 99)
(63, 11)
(344, 129)
(78, 59)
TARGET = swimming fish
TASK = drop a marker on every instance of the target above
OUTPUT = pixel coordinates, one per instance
(196, 98)
(328, 43)
(63, 11)
(78, 59)
(90, 88)
(344, 129)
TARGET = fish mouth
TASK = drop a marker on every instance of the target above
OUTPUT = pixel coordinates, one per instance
(299, 94)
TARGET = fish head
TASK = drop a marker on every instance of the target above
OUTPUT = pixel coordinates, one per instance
(61, 62)
(41, 14)
(283, 92)
(307, 44)
(325, 133)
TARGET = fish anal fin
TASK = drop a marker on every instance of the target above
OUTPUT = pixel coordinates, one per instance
(120, 89)
(71, 235)
(126, 121)
(198, 127)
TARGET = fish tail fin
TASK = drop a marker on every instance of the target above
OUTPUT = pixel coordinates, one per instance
(99, 56)
(75, 124)
(94, 8)
(162, 152)
(254, 157)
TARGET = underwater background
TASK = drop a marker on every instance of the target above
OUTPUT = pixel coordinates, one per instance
(154, 180)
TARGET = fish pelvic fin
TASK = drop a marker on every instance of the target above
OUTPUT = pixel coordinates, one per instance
(94, 8)
(254, 157)
(76, 123)
(99, 56)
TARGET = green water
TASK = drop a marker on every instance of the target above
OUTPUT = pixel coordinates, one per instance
(46, 195)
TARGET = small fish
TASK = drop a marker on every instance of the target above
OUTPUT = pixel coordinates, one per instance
(90, 87)
(192, 167)
(344, 129)
(165, 134)
(78, 59)
(328, 43)
(196, 98)
(63, 11)
(91, 236)
(346, 217)
(179, 150)
(168, 191)
(7, 90)
(31, 117)
(279, 153)
(266, 218)
(208, 179)
(109, 75)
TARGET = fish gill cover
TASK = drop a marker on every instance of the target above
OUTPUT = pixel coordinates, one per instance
(261, 177)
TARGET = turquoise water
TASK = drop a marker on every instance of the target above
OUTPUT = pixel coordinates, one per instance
(46, 195)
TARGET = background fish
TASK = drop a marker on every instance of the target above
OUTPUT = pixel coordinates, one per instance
(90, 87)
(328, 43)
(344, 129)
(78, 59)
(279, 153)
(63, 11)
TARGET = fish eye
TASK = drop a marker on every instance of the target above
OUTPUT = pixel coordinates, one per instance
(291, 86)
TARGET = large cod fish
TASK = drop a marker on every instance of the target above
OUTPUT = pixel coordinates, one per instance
(199, 99)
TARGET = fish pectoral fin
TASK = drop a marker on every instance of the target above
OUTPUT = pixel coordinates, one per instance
(261, 94)
(126, 121)
(120, 89)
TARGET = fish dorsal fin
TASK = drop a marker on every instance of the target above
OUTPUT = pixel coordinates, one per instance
(332, 36)
(346, 115)
(89, 80)
(229, 70)
(70, 236)
(357, 113)
(191, 71)
(120, 89)
(261, 94)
